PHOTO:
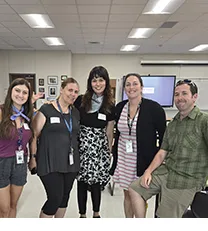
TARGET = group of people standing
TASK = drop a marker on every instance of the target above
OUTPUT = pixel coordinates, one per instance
(72, 138)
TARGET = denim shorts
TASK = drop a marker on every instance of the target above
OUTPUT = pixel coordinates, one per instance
(11, 172)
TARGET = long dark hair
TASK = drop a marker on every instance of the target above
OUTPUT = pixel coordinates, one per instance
(6, 125)
(98, 71)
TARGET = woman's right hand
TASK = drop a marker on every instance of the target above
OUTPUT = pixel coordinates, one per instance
(32, 163)
(146, 179)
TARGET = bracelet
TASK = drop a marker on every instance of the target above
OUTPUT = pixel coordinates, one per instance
(32, 155)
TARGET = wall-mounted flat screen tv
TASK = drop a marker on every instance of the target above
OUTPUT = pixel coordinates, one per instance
(159, 88)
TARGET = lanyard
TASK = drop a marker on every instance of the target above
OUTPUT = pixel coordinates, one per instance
(128, 118)
(68, 125)
(20, 137)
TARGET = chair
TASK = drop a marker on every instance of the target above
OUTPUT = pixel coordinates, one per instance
(199, 206)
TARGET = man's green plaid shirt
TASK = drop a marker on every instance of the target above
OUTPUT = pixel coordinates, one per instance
(186, 142)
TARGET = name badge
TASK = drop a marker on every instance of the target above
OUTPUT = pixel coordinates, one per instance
(129, 146)
(71, 156)
(55, 120)
(20, 157)
(26, 127)
(101, 116)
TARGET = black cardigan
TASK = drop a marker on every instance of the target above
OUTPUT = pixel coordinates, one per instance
(151, 120)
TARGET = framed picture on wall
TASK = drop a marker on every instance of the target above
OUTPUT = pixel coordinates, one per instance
(41, 82)
(52, 80)
(42, 90)
(52, 91)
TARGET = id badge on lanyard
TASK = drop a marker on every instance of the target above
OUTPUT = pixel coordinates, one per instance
(20, 152)
(71, 156)
(19, 156)
(129, 146)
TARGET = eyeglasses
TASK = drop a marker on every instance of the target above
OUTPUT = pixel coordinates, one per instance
(186, 81)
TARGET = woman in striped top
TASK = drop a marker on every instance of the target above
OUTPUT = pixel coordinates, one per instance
(138, 121)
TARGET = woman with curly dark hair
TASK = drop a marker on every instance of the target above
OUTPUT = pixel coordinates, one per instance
(15, 133)
(96, 134)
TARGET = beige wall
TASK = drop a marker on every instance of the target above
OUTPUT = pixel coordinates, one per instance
(44, 63)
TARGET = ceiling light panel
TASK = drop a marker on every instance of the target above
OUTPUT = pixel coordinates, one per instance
(201, 47)
(162, 6)
(53, 41)
(129, 47)
(37, 20)
(141, 32)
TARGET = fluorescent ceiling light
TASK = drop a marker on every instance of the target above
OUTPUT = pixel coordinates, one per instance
(162, 6)
(201, 47)
(53, 41)
(37, 20)
(141, 32)
(129, 47)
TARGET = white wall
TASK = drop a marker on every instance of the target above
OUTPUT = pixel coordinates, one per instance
(120, 65)
(42, 63)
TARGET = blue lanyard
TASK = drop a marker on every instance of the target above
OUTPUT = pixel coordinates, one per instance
(20, 137)
(68, 125)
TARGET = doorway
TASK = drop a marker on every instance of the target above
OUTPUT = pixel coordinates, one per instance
(29, 77)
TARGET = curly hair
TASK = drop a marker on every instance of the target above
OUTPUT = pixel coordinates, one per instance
(6, 125)
(108, 102)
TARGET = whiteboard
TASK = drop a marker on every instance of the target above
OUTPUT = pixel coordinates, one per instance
(202, 84)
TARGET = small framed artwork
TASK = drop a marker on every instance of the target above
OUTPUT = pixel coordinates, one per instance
(63, 77)
(52, 80)
(41, 82)
(42, 90)
(52, 91)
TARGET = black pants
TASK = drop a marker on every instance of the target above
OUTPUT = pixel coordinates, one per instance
(82, 196)
(57, 186)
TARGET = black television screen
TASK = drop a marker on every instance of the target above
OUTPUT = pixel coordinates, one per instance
(159, 88)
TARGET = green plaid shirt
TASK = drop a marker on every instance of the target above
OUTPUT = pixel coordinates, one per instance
(186, 142)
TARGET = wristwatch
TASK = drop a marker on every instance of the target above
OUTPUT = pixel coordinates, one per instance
(32, 155)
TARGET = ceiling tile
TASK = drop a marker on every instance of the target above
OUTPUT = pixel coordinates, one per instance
(94, 9)
(123, 18)
(184, 17)
(29, 9)
(15, 24)
(94, 24)
(6, 9)
(147, 24)
(93, 31)
(3, 30)
(23, 1)
(64, 17)
(24, 32)
(66, 25)
(93, 2)
(61, 9)
(193, 8)
(126, 9)
(58, 2)
(107, 21)
(93, 18)
(129, 2)
(120, 25)
(10, 18)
